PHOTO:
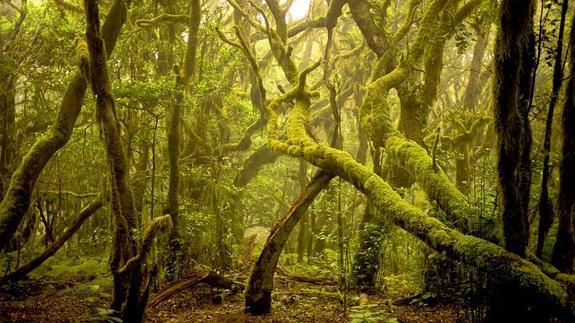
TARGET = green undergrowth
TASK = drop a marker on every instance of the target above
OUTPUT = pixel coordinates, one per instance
(370, 313)
(317, 268)
(87, 275)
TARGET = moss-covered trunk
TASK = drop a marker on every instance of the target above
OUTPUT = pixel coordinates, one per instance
(366, 259)
(127, 285)
(532, 286)
(16, 200)
(182, 82)
(514, 63)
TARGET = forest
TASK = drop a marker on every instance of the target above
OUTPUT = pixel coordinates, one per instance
(287, 161)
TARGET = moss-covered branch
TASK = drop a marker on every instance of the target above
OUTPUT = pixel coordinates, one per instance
(158, 225)
(249, 18)
(163, 18)
(532, 285)
(374, 38)
(253, 164)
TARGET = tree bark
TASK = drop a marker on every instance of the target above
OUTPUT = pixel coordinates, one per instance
(253, 164)
(182, 81)
(366, 259)
(514, 64)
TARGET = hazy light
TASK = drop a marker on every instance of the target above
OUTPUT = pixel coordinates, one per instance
(299, 8)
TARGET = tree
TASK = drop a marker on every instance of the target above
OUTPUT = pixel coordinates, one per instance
(564, 249)
(514, 63)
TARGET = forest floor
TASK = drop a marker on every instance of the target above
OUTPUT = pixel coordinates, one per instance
(81, 297)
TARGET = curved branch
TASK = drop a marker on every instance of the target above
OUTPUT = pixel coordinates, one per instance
(158, 225)
(21, 272)
(163, 18)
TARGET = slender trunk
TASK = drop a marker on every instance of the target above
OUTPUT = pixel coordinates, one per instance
(260, 283)
(473, 89)
(302, 232)
(545, 204)
(182, 82)
(302, 238)
(463, 168)
(366, 264)
(140, 182)
(7, 128)
(310, 237)
(564, 250)
(474, 85)
(126, 298)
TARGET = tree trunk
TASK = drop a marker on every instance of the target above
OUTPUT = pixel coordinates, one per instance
(474, 86)
(302, 232)
(182, 82)
(7, 126)
(545, 204)
(514, 64)
(126, 297)
(564, 250)
(260, 284)
(366, 264)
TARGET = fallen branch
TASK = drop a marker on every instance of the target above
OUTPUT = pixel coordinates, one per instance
(212, 278)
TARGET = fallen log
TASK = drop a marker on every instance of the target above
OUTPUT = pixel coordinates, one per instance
(304, 279)
(212, 278)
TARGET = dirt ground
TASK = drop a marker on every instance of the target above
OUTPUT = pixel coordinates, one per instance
(78, 301)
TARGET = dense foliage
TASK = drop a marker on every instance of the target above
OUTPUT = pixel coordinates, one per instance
(385, 147)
